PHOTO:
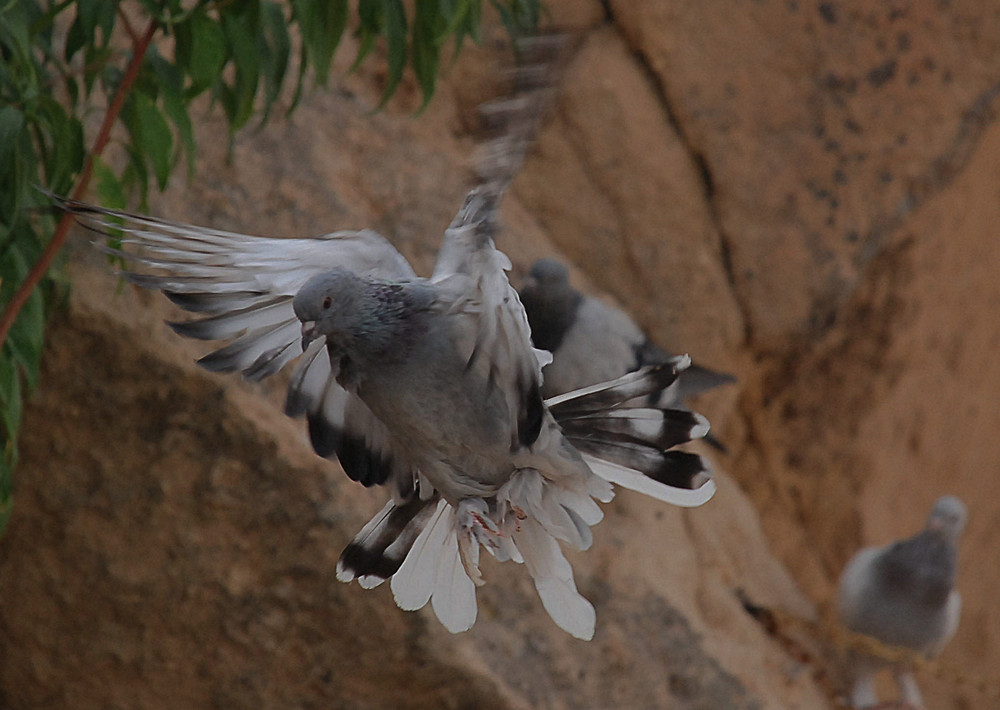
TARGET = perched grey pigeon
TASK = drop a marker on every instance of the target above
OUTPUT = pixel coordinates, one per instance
(904, 595)
(591, 341)
(430, 387)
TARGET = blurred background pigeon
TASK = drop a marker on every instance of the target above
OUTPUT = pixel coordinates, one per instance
(904, 595)
(592, 342)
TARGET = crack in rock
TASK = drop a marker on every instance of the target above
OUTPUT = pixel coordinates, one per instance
(698, 159)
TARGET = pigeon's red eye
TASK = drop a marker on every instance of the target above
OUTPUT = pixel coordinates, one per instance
(327, 302)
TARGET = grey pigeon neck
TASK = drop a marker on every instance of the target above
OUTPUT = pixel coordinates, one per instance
(922, 567)
(552, 319)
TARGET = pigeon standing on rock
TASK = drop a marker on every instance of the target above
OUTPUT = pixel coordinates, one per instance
(904, 595)
(430, 387)
(591, 341)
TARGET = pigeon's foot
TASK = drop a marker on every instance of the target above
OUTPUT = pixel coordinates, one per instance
(475, 528)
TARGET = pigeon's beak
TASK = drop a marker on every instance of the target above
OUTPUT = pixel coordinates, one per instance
(309, 333)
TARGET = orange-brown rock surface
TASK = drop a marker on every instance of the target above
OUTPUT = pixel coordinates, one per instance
(801, 193)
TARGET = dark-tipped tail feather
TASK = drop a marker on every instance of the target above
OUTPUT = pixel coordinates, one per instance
(376, 553)
(633, 446)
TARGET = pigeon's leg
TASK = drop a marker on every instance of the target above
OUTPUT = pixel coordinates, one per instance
(475, 528)
(863, 693)
(908, 688)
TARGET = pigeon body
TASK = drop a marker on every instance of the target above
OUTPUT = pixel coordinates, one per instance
(428, 387)
(591, 341)
(903, 594)
(398, 347)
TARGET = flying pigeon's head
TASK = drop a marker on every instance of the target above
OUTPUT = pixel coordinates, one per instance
(948, 515)
(332, 304)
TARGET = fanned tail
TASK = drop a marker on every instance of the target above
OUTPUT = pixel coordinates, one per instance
(633, 446)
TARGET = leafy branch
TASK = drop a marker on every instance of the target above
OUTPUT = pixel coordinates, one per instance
(62, 59)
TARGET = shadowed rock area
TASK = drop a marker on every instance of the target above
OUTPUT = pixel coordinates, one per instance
(803, 194)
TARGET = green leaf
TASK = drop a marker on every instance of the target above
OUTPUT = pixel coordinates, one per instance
(395, 34)
(10, 396)
(61, 149)
(110, 191)
(426, 50)
(76, 39)
(176, 110)
(25, 337)
(202, 50)
(277, 44)
(11, 125)
(86, 15)
(369, 28)
(136, 174)
(238, 100)
(322, 23)
(170, 81)
(155, 138)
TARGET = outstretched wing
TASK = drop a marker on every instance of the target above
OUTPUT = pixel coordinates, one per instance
(241, 288)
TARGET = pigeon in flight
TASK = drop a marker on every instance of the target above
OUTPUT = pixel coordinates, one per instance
(592, 342)
(429, 387)
(904, 595)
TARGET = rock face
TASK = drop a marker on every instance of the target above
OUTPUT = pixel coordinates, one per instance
(800, 193)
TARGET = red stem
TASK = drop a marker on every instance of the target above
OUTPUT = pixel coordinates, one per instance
(62, 229)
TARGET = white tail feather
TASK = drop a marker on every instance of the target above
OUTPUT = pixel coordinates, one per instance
(413, 583)
(454, 598)
(635, 481)
(554, 581)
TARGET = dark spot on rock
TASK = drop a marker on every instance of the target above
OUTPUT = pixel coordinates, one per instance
(903, 41)
(882, 73)
(885, 177)
(839, 83)
(839, 176)
(828, 12)
(852, 236)
(682, 686)
(853, 126)
(901, 139)
(831, 146)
